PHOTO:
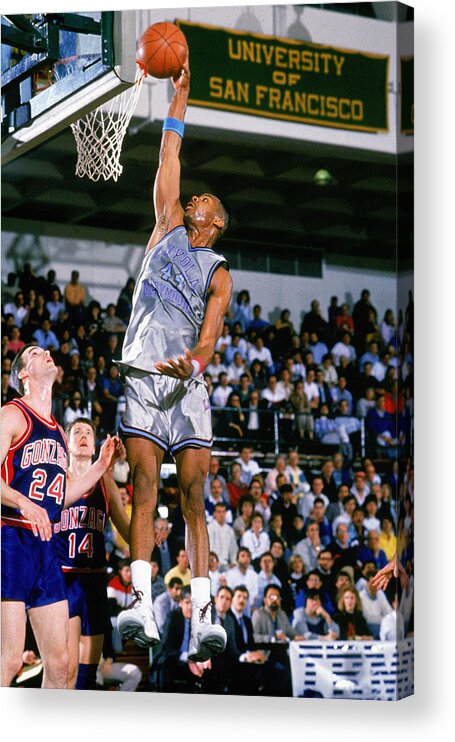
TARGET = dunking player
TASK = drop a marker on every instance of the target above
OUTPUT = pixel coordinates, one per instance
(34, 491)
(79, 539)
(179, 303)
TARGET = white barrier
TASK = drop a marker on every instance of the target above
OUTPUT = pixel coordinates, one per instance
(367, 670)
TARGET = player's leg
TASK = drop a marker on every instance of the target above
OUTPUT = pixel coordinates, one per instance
(192, 469)
(74, 635)
(50, 626)
(144, 459)
(90, 649)
(13, 639)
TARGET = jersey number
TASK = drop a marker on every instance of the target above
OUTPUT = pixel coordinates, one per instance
(56, 488)
(85, 547)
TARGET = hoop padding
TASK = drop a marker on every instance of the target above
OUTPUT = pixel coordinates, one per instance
(99, 134)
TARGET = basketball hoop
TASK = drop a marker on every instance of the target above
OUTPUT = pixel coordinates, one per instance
(99, 134)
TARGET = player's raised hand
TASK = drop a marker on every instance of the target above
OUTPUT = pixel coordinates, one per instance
(106, 453)
(181, 368)
(39, 519)
(119, 450)
(182, 80)
(393, 568)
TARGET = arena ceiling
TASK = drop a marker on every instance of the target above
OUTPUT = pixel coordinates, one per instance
(268, 184)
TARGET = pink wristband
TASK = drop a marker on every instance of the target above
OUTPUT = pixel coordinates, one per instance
(198, 366)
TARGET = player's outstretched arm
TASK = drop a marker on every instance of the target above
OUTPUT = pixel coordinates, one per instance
(13, 427)
(393, 568)
(79, 486)
(166, 191)
(219, 298)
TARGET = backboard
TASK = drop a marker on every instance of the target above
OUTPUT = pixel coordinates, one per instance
(58, 66)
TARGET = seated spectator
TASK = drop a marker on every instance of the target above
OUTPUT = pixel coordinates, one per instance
(112, 390)
(270, 480)
(216, 367)
(366, 403)
(343, 553)
(387, 538)
(216, 497)
(74, 295)
(266, 576)
(296, 575)
(222, 392)
(224, 340)
(339, 393)
(250, 467)
(221, 534)
(340, 472)
(358, 534)
(236, 487)
(312, 621)
(306, 502)
(372, 551)
(214, 473)
(317, 515)
(270, 622)
(314, 322)
(284, 505)
(318, 348)
(74, 410)
(92, 391)
(274, 396)
(258, 422)
(256, 539)
(349, 616)
(329, 371)
(18, 309)
(336, 508)
(349, 505)
(371, 522)
(243, 520)
(259, 352)
(244, 574)
(326, 573)
(238, 345)
(251, 672)
(15, 342)
(257, 324)
(374, 605)
(112, 323)
(311, 388)
(8, 393)
(167, 602)
(244, 387)
(45, 337)
(232, 420)
(370, 356)
(182, 569)
(366, 568)
(309, 547)
(344, 578)
(54, 306)
(237, 369)
(158, 586)
(295, 475)
(313, 581)
(344, 348)
(285, 385)
(359, 489)
(275, 529)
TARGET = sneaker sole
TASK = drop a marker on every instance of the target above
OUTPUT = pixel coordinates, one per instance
(135, 632)
(209, 648)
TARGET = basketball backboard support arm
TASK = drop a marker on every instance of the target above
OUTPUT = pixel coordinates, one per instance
(75, 94)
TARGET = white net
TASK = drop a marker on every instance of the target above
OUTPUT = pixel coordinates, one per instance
(99, 134)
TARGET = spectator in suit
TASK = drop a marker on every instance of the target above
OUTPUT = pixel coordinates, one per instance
(270, 622)
(167, 602)
(171, 668)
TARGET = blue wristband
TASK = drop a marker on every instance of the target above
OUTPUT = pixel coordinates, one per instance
(170, 124)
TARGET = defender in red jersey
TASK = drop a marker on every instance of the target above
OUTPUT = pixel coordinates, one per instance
(34, 492)
(79, 538)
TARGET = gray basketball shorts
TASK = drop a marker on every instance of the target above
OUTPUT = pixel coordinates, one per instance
(171, 413)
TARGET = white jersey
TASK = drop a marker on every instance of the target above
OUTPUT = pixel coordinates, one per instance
(169, 301)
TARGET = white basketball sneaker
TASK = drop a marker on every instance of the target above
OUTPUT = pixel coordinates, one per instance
(137, 622)
(206, 639)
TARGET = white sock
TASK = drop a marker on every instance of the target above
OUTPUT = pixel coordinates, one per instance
(141, 577)
(200, 590)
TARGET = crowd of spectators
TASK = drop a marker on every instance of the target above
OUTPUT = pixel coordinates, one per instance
(294, 550)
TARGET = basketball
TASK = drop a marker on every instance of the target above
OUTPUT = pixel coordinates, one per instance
(162, 50)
